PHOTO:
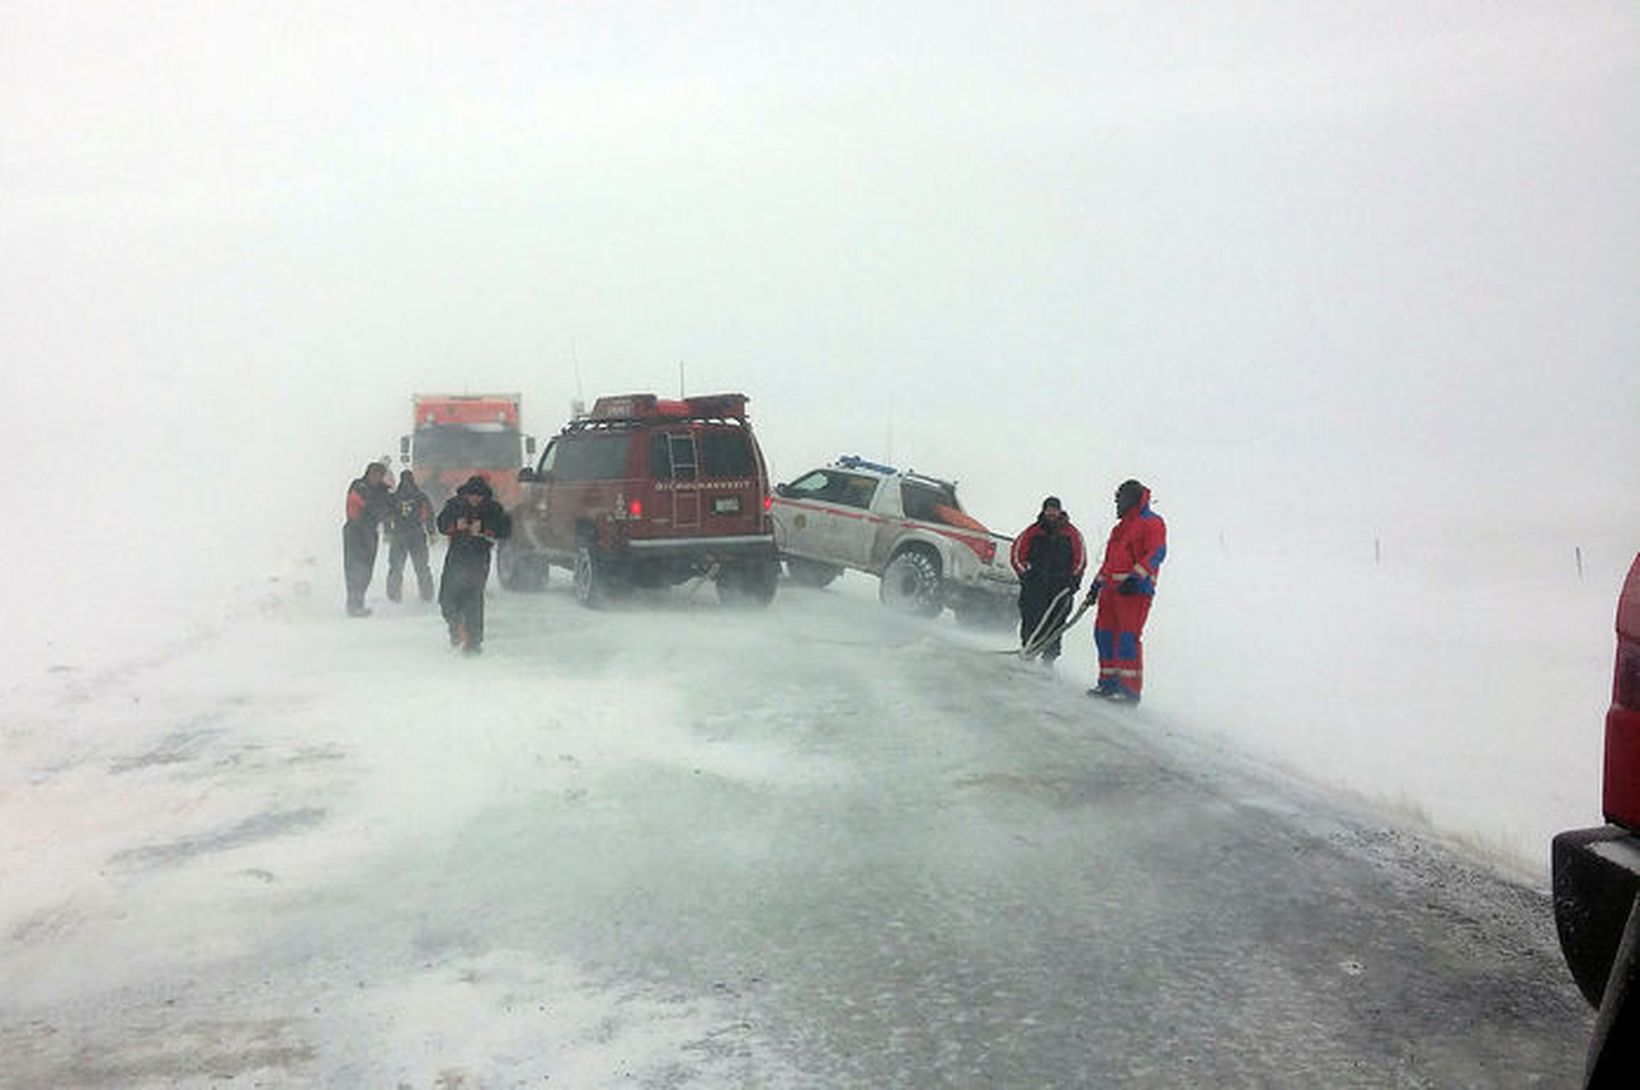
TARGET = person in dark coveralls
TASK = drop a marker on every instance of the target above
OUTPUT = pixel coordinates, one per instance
(473, 521)
(407, 534)
(1048, 557)
(369, 503)
(1124, 588)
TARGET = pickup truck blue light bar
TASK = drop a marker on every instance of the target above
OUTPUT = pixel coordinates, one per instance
(854, 461)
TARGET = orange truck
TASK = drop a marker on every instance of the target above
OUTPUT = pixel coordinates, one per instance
(456, 436)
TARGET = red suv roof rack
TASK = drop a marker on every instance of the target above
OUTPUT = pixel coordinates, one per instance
(650, 407)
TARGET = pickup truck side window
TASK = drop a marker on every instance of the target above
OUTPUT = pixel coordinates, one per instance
(858, 491)
(920, 500)
(832, 486)
(928, 503)
(548, 457)
(810, 485)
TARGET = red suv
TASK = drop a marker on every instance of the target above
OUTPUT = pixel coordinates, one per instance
(1597, 873)
(646, 492)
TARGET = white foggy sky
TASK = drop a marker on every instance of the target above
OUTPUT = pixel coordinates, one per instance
(1367, 258)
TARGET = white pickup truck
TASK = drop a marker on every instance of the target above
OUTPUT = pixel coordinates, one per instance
(905, 528)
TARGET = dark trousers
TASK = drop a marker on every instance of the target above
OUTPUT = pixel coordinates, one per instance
(413, 546)
(461, 595)
(1034, 599)
(358, 559)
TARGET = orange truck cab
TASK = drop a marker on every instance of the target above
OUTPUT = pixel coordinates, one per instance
(457, 436)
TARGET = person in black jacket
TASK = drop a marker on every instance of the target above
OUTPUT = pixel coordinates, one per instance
(473, 521)
(407, 534)
(1048, 557)
(368, 503)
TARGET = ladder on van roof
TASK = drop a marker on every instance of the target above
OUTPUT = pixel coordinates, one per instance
(680, 450)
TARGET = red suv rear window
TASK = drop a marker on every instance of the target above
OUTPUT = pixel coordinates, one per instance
(701, 452)
(727, 454)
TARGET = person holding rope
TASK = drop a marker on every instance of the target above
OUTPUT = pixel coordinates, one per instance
(1049, 558)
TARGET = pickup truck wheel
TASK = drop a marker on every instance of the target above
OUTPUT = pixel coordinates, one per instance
(591, 577)
(811, 573)
(911, 584)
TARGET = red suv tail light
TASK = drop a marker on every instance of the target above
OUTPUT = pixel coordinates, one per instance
(634, 509)
(1620, 797)
(1620, 794)
(768, 504)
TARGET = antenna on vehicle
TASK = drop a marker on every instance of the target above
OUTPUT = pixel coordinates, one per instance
(578, 407)
(680, 380)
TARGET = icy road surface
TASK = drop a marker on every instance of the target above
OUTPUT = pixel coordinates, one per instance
(675, 846)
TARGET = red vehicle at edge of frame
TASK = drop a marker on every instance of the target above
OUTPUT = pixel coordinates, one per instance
(1597, 873)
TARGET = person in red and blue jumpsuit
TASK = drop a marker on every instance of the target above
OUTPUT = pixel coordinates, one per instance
(1124, 589)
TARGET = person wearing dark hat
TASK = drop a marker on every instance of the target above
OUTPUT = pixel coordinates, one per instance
(407, 534)
(1049, 557)
(368, 503)
(1124, 589)
(474, 522)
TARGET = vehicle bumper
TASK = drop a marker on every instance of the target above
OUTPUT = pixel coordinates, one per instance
(740, 546)
(672, 559)
(987, 583)
(1596, 880)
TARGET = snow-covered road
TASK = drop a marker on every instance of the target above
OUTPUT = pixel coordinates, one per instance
(671, 845)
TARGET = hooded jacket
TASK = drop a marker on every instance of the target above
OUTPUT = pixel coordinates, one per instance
(1050, 552)
(412, 510)
(473, 528)
(368, 504)
(1136, 549)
